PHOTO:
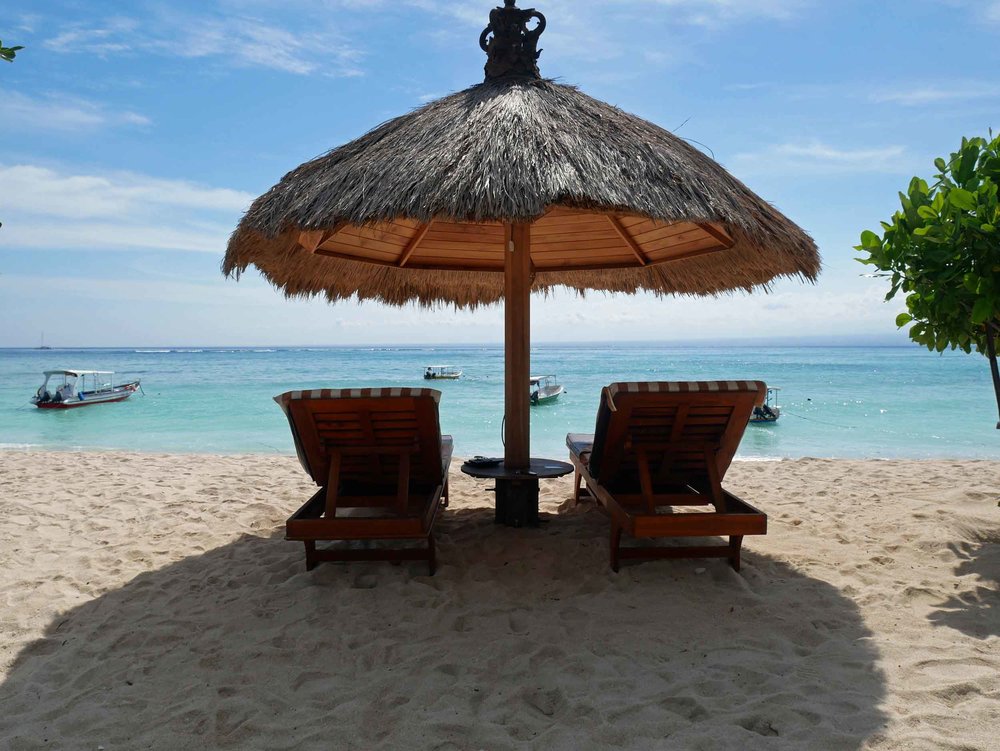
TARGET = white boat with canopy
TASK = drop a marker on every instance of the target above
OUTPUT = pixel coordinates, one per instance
(65, 389)
(442, 373)
(544, 389)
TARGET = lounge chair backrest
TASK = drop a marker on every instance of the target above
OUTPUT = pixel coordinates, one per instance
(370, 429)
(673, 424)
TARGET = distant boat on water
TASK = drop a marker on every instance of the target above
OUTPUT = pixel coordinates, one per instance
(81, 388)
(769, 411)
(42, 346)
(544, 389)
(442, 373)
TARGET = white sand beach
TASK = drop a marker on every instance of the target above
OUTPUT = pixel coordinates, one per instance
(150, 602)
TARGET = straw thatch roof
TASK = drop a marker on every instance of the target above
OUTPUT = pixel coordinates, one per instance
(514, 150)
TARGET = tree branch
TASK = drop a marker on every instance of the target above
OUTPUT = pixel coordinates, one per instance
(991, 348)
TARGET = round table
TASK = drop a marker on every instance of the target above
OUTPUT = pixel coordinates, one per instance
(517, 489)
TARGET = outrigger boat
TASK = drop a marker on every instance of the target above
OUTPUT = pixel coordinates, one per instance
(544, 389)
(442, 373)
(65, 389)
(769, 411)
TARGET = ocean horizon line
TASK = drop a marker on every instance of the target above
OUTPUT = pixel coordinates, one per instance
(809, 343)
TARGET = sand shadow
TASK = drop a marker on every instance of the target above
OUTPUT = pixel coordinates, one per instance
(975, 612)
(524, 639)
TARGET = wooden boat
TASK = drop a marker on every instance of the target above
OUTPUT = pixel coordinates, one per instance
(544, 389)
(67, 389)
(769, 411)
(442, 373)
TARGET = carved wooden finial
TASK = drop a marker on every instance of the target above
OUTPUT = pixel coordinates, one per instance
(511, 47)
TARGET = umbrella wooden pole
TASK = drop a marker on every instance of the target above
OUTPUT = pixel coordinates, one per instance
(517, 345)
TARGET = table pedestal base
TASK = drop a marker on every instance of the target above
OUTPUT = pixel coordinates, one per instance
(517, 487)
(517, 502)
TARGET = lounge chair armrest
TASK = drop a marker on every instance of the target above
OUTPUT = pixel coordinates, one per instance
(580, 444)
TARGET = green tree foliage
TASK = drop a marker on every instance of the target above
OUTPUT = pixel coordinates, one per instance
(942, 251)
(8, 53)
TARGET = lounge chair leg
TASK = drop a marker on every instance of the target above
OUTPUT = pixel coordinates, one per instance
(431, 555)
(735, 542)
(616, 538)
(310, 554)
(577, 479)
(444, 495)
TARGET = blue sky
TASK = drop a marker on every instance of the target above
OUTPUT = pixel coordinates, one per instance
(134, 134)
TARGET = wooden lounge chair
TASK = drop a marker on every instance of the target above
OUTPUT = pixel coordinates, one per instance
(659, 446)
(382, 466)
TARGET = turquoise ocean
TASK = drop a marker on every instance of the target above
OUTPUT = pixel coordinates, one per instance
(866, 402)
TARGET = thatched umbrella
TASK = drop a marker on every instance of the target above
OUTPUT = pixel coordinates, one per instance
(516, 185)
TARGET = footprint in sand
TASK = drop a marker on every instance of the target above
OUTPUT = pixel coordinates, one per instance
(685, 706)
(546, 701)
(518, 623)
(758, 725)
(957, 693)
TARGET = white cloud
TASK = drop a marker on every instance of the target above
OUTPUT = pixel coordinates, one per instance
(233, 38)
(934, 94)
(61, 112)
(45, 208)
(988, 10)
(308, 37)
(818, 158)
(726, 12)
(108, 38)
(795, 309)
(26, 22)
(251, 312)
(700, 12)
(591, 30)
(600, 30)
(40, 189)
(901, 94)
(249, 42)
(218, 291)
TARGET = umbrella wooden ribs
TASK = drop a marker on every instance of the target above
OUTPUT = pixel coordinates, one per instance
(515, 185)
